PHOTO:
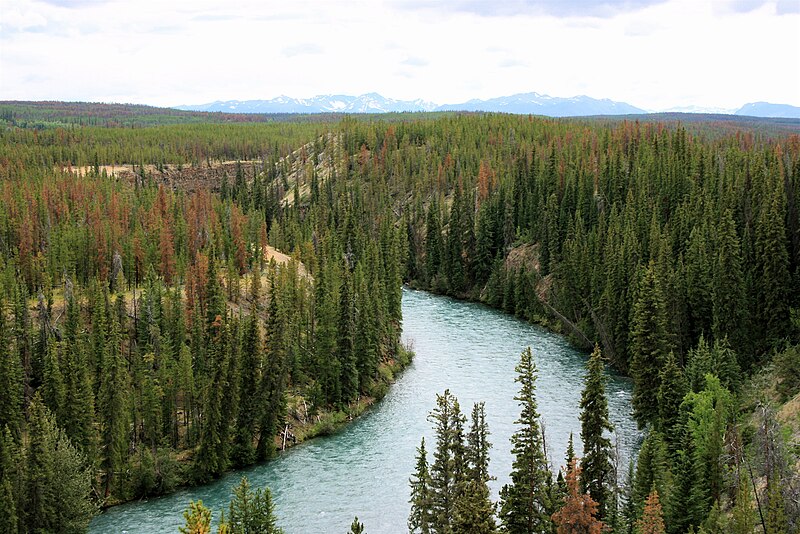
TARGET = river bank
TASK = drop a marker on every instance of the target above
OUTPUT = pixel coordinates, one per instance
(363, 468)
(300, 426)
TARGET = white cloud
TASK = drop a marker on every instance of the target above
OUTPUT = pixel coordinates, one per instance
(652, 55)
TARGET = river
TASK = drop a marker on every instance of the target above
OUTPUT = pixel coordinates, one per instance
(363, 470)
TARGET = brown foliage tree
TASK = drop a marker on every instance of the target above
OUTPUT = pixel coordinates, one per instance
(578, 515)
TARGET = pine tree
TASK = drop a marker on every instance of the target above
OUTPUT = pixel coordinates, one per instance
(11, 376)
(474, 511)
(578, 513)
(772, 271)
(707, 421)
(652, 470)
(448, 468)
(776, 521)
(8, 477)
(58, 489)
(652, 521)
(728, 286)
(212, 455)
(743, 519)
(421, 518)
(356, 527)
(671, 391)
(244, 451)
(649, 347)
(114, 405)
(198, 519)
(252, 512)
(524, 502)
(596, 464)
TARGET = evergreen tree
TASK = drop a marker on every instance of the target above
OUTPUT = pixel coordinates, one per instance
(525, 502)
(717, 359)
(671, 391)
(8, 477)
(743, 519)
(776, 521)
(649, 347)
(244, 451)
(212, 455)
(596, 475)
(707, 421)
(252, 512)
(198, 519)
(433, 244)
(114, 405)
(772, 271)
(652, 470)
(58, 489)
(356, 527)
(421, 518)
(652, 521)
(728, 285)
(448, 469)
(578, 512)
(474, 511)
(11, 376)
(79, 401)
(271, 396)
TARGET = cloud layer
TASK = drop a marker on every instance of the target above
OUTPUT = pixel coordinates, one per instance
(654, 54)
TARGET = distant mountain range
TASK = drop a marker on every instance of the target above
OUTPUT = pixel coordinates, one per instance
(523, 103)
(765, 109)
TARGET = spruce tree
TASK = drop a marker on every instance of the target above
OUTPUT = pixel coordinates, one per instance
(652, 470)
(596, 469)
(271, 395)
(11, 379)
(474, 511)
(252, 512)
(421, 518)
(776, 521)
(8, 479)
(448, 468)
(649, 347)
(114, 405)
(58, 488)
(198, 519)
(578, 511)
(212, 455)
(772, 271)
(743, 518)
(244, 451)
(356, 527)
(525, 501)
(652, 521)
(728, 285)
(707, 421)
(79, 402)
(671, 391)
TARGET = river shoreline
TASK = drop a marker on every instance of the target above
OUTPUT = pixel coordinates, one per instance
(363, 466)
(301, 428)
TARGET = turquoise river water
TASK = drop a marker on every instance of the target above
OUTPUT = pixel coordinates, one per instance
(363, 470)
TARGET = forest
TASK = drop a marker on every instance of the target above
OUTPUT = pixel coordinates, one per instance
(152, 337)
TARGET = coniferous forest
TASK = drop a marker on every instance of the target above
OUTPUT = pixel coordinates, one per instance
(154, 335)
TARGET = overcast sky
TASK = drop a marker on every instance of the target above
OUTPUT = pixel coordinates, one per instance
(650, 53)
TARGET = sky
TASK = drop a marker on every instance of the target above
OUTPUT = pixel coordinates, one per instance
(653, 54)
